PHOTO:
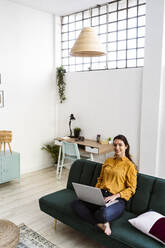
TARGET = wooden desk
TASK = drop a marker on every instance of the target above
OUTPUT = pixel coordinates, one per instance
(90, 146)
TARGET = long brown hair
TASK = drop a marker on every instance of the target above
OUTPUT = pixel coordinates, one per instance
(124, 139)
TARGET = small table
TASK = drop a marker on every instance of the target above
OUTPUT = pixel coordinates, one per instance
(90, 146)
(9, 234)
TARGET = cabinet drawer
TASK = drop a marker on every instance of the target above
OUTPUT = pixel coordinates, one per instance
(91, 149)
(58, 143)
(9, 166)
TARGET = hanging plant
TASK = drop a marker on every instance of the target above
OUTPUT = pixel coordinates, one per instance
(61, 83)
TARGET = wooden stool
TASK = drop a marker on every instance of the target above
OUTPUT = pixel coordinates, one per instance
(5, 137)
(9, 234)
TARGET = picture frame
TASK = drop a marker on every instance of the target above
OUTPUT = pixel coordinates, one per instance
(1, 98)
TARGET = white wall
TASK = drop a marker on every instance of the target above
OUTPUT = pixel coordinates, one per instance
(161, 158)
(152, 91)
(104, 102)
(26, 65)
(161, 164)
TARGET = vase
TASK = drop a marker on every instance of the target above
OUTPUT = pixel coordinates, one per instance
(76, 133)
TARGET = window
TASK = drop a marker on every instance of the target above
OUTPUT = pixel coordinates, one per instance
(120, 26)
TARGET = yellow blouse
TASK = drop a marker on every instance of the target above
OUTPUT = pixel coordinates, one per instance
(118, 175)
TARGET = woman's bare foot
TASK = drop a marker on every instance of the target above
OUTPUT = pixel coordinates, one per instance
(107, 229)
(101, 226)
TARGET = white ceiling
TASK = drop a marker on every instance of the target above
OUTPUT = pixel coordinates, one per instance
(60, 7)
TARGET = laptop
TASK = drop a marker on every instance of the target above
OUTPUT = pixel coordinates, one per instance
(91, 194)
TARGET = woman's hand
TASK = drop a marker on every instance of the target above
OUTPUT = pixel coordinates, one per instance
(112, 197)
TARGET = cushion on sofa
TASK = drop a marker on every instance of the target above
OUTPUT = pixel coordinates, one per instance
(152, 224)
(122, 230)
(157, 201)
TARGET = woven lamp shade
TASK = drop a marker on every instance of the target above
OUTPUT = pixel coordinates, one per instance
(87, 44)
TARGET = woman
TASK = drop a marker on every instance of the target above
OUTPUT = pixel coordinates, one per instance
(117, 180)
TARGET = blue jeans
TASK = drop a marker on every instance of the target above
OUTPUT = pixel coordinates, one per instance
(98, 214)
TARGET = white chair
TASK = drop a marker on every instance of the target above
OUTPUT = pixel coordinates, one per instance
(71, 152)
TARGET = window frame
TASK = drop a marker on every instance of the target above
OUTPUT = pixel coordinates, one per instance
(90, 64)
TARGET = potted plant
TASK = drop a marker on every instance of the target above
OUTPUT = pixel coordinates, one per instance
(77, 131)
(109, 140)
(61, 84)
(53, 150)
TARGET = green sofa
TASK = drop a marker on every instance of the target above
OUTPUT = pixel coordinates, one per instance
(150, 194)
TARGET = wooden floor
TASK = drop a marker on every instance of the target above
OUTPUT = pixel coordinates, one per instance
(19, 203)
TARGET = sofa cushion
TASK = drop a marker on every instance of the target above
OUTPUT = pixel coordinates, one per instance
(152, 224)
(157, 201)
(130, 236)
(85, 172)
(140, 201)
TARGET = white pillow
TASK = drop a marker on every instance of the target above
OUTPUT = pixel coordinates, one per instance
(152, 224)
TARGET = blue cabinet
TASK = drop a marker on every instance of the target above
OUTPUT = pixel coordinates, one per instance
(9, 166)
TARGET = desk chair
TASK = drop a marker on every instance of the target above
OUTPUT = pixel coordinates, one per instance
(71, 152)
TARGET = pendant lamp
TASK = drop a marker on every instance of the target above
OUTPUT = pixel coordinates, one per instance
(87, 44)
